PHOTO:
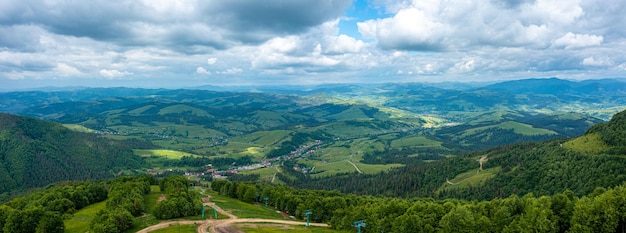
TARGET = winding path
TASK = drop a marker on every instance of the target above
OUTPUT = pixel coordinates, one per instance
(355, 167)
(222, 225)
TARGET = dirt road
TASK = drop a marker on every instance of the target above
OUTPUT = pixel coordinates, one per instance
(225, 226)
(355, 167)
(222, 225)
(168, 224)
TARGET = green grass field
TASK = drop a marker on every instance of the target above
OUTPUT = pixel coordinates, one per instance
(419, 141)
(277, 228)
(470, 178)
(140, 110)
(264, 138)
(178, 229)
(265, 174)
(245, 210)
(493, 116)
(168, 154)
(179, 108)
(199, 133)
(79, 128)
(376, 168)
(517, 127)
(150, 200)
(79, 223)
(590, 143)
(330, 169)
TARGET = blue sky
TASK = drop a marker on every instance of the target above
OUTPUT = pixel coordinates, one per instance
(183, 43)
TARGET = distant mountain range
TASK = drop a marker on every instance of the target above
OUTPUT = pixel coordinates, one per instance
(378, 123)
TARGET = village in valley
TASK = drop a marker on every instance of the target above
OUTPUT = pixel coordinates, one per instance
(209, 170)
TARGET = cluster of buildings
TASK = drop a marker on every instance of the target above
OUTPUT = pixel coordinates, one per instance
(302, 151)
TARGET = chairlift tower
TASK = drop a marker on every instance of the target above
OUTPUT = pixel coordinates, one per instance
(359, 224)
(215, 210)
(308, 214)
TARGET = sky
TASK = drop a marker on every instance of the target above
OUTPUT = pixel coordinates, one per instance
(185, 43)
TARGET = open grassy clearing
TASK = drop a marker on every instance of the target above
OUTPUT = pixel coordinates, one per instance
(569, 116)
(331, 169)
(178, 229)
(604, 113)
(180, 108)
(365, 145)
(150, 200)
(141, 110)
(79, 223)
(376, 168)
(79, 128)
(239, 149)
(517, 127)
(245, 210)
(590, 143)
(265, 138)
(335, 154)
(168, 154)
(278, 228)
(265, 174)
(344, 129)
(121, 137)
(168, 129)
(419, 141)
(471, 178)
(492, 116)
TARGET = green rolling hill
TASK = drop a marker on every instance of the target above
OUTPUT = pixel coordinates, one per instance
(410, 127)
(580, 164)
(34, 153)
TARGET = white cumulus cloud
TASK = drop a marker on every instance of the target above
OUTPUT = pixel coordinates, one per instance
(202, 70)
(232, 71)
(593, 61)
(572, 41)
(66, 70)
(111, 74)
(410, 29)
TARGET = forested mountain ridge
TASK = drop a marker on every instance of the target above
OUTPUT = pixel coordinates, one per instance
(479, 118)
(613, 133)
(544, 168)
(34, 153)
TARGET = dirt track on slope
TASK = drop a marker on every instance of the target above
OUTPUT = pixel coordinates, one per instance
(222, 225)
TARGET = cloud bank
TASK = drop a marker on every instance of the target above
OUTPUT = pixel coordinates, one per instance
(194, 42)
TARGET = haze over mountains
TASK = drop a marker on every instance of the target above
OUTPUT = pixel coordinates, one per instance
(386, 125)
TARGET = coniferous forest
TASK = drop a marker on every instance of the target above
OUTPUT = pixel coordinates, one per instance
(34, 153)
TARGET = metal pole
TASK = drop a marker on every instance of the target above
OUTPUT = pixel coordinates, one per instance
(359, 224)
(215, 210)
(308, 214)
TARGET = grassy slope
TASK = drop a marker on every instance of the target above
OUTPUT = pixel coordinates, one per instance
(245, 210)
(265, 174)
(419, 141)
(179, 108)
(589, 143)
(79, 128)
(177, 229)
(79, 223)
(517, 127)
(471, 178)
(168, 154)
(276, 228)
